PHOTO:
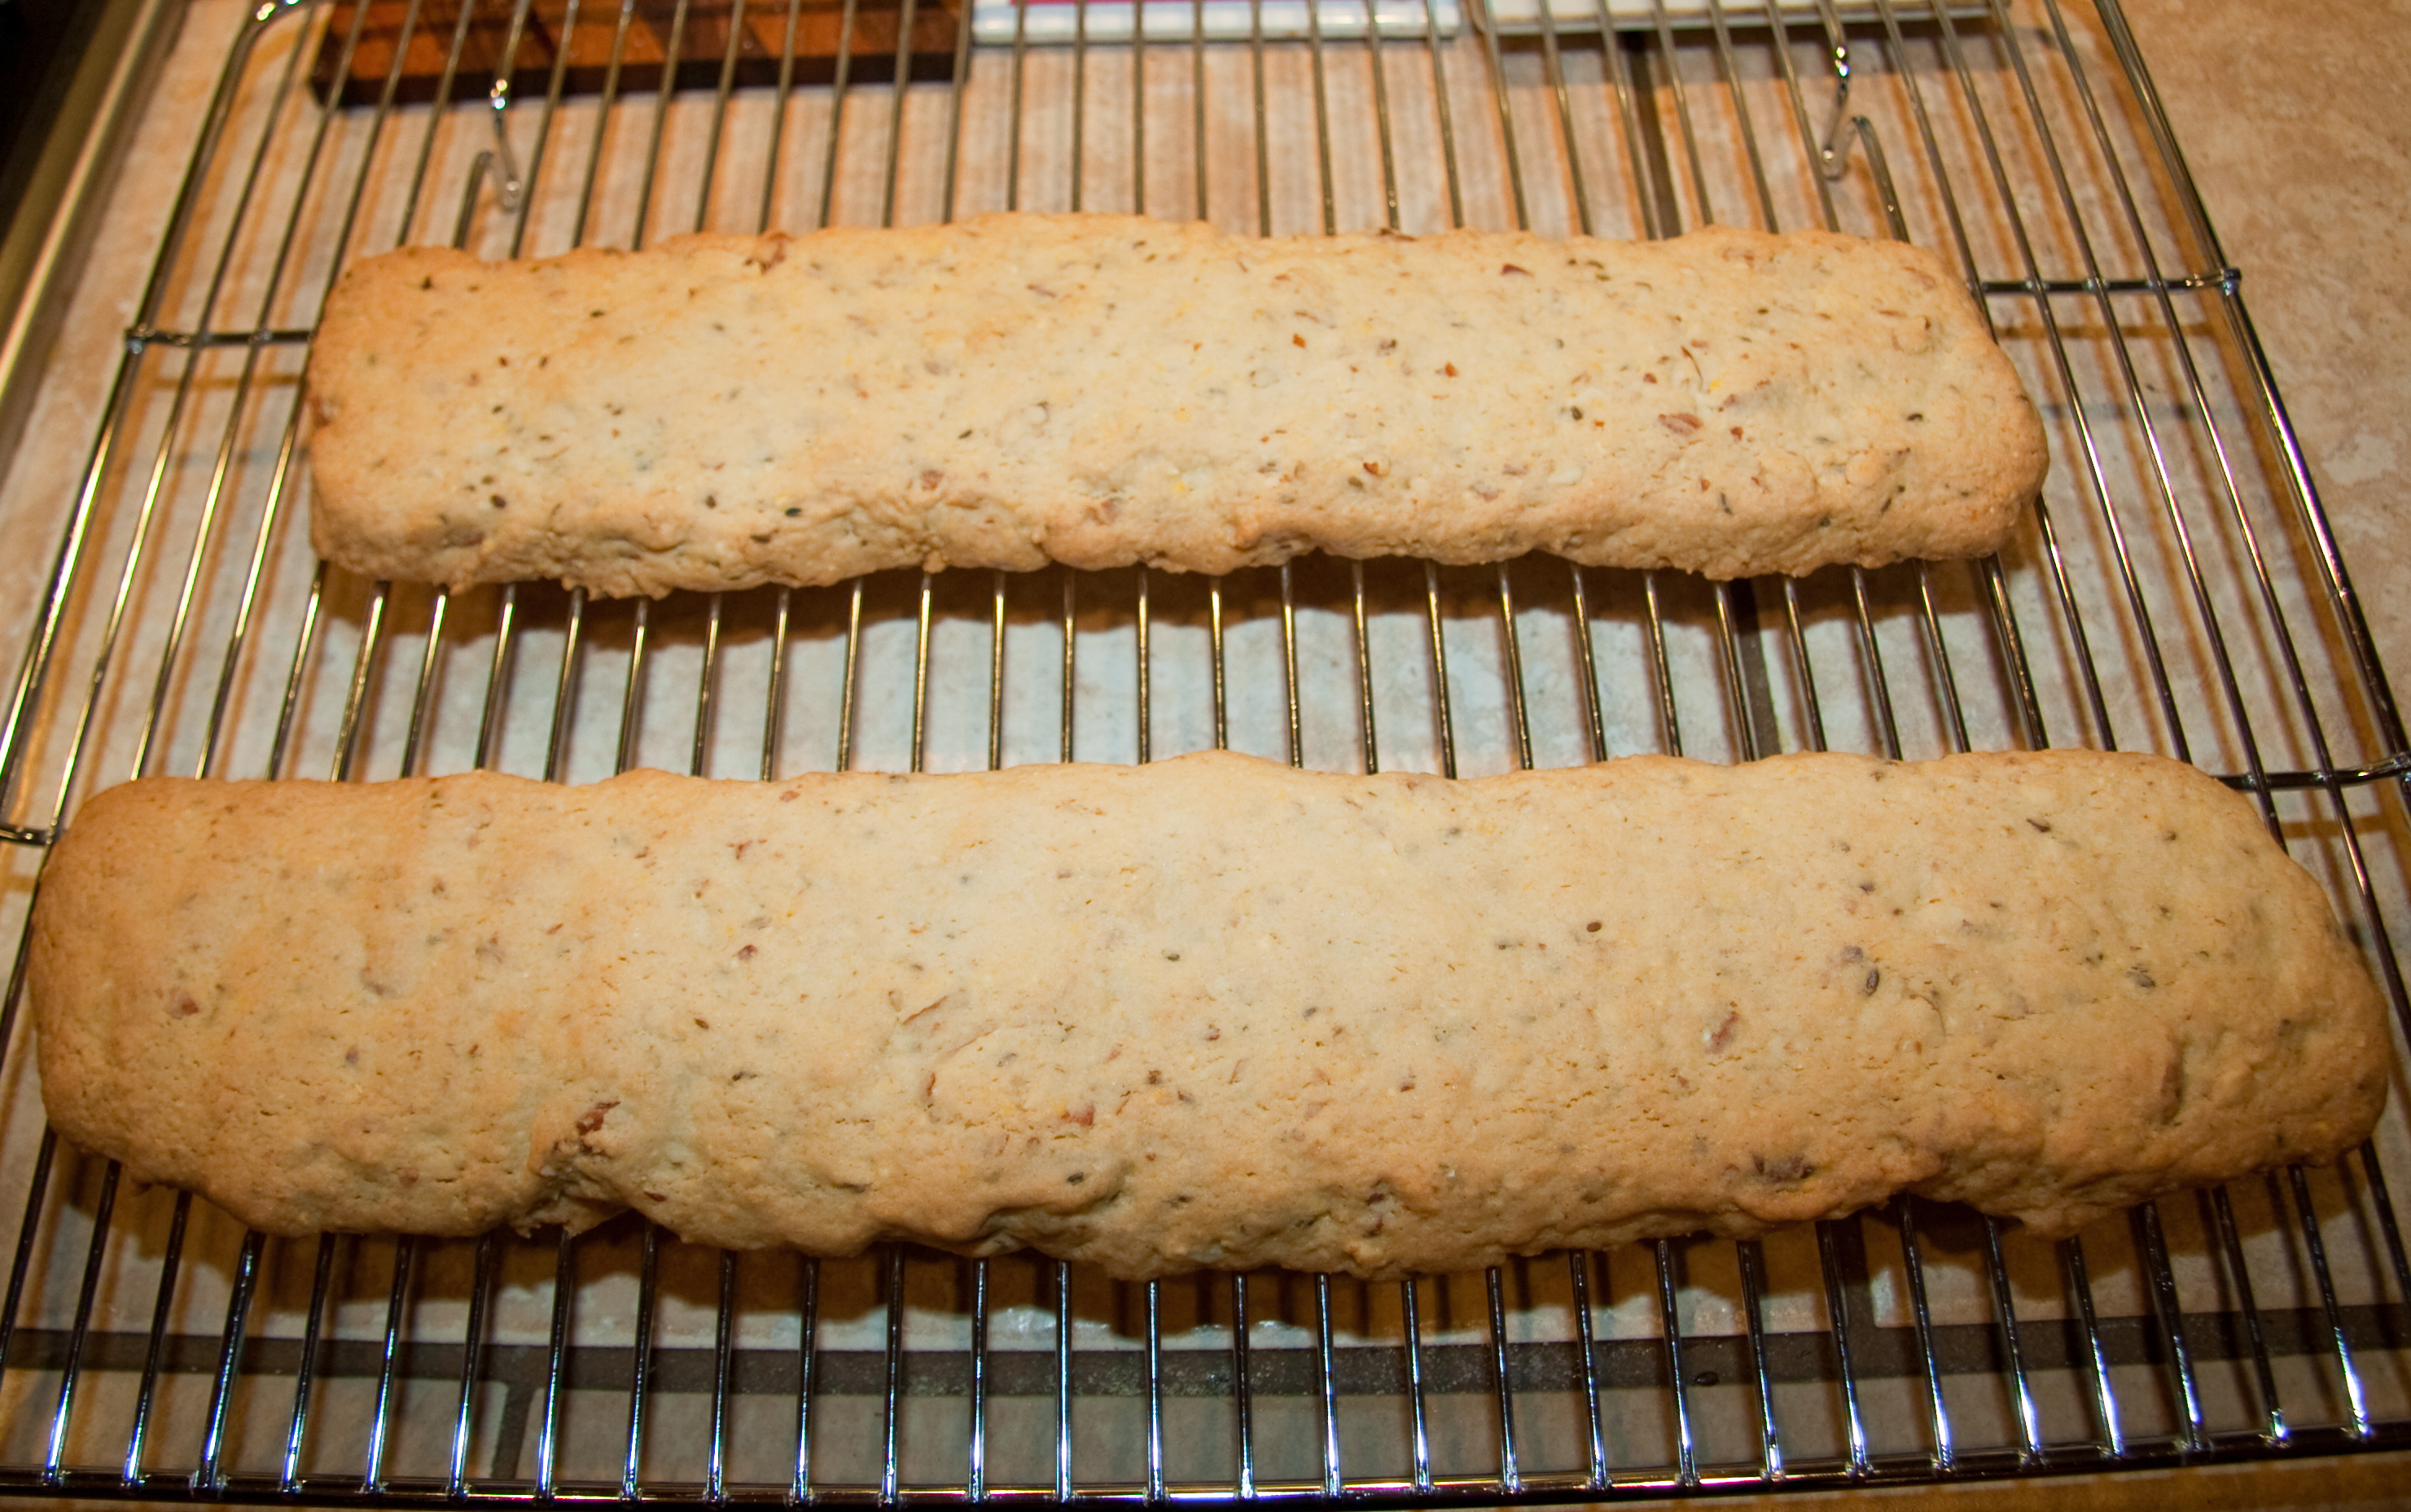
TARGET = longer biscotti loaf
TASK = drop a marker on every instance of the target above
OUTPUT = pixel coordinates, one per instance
(721, 411)
(1209, 1013)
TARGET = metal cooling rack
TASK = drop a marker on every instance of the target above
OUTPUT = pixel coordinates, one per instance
(2178, 590)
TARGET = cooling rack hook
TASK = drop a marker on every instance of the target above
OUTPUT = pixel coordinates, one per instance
(507, 182)
(1833, 146)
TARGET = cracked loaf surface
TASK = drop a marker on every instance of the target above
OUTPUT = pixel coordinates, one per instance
(1210, 1012)
(721, 411)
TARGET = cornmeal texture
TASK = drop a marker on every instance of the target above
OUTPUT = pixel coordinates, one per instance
(1211, 1012)
(1099, 390)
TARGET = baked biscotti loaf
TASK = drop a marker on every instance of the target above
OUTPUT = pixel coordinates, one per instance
(1212, 1012)
(720, 411)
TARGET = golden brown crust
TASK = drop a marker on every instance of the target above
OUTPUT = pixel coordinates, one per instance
(1212, 1012)
(718, 411)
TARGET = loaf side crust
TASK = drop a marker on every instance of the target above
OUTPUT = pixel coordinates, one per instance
(1210, 1012)
(718, 411)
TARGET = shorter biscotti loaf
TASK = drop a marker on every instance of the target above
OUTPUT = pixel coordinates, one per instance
(1099, 390)
(1208, 1013)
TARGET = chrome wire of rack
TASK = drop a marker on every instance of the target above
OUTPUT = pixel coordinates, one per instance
(2178, 591)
